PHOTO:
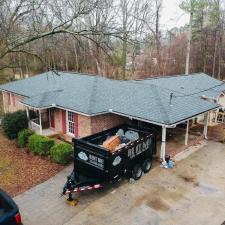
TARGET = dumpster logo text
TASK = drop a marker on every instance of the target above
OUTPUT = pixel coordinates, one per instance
(138, 149)
(98, 162)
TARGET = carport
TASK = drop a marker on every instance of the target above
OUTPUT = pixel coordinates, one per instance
(164, 128)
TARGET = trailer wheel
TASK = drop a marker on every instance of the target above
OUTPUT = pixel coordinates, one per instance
(146, 166)
(137, 172)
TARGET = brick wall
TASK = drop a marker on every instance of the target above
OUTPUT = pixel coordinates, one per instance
(91, 125)
(58, 119)
(84, 126)
(106, 121)
(11, 102)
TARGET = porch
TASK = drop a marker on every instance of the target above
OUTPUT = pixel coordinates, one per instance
(40, 122)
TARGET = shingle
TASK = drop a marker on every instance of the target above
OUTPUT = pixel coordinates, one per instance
(147, 99)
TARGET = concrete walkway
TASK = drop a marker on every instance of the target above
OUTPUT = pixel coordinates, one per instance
(43, 205)
(193, 193)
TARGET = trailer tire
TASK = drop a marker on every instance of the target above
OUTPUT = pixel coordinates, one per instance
(137, 172)
(147, 165)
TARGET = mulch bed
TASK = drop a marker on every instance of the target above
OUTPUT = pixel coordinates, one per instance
(20, 170)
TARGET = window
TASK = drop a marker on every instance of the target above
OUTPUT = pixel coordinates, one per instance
(70, 123)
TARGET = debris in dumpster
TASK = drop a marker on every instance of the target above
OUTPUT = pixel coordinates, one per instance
(112, 143)
(119, 140)
(120, 132)
(120, 146)
(131, 135)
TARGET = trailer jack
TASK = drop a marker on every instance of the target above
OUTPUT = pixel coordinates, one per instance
(70, 200)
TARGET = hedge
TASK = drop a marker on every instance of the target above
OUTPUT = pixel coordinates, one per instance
(23, 136)
(61, 153)
(40, 145)
(12, 123)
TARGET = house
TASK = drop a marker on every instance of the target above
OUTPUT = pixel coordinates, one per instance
(77, 105)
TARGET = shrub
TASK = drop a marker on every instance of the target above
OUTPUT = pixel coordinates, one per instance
(23, 136)
(39, 144)
(12, 123)
(61, 153)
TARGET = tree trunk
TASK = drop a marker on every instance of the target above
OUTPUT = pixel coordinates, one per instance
(189, 44)
(215, 54)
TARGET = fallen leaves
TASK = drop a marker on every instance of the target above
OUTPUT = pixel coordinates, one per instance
(20, 170)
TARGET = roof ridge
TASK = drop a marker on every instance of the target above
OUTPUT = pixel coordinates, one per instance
(170, 76)
(92, 99)
(162, 108)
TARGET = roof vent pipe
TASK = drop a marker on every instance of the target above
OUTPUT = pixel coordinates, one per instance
(171, 97)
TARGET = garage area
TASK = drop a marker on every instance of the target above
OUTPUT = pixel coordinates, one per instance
(192, 193)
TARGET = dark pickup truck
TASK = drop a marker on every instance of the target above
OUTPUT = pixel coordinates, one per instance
(94, 165)
(9, 212)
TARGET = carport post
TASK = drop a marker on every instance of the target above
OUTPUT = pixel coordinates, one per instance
(186, 135)
(163, 145)
(206, 119)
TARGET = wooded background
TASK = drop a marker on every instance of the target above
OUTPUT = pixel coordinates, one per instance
(120, 39)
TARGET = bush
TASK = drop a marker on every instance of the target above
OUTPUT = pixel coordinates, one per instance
(12, 123)
(61, 153)
(39, 144)
(23, 136)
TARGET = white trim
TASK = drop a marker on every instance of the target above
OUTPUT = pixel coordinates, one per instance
(67, 125)
(14, 93)
(122, 114)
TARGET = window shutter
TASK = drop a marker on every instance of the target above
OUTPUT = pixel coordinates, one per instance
(64, 121)
(76, 125)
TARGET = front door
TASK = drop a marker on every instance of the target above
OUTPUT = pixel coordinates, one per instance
(52, 118)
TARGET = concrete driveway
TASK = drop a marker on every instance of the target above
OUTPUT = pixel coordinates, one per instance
(193, 193)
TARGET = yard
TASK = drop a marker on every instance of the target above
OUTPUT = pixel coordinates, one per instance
(20, 170)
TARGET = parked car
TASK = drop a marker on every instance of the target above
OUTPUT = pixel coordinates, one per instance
(95, 166)
(9, 212)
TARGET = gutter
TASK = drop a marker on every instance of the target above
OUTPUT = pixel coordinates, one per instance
(2, 90)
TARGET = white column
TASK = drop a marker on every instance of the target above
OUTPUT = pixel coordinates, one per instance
(206, 120)
(40, 121)
(28, 117)
(163, 144)
(186, 135)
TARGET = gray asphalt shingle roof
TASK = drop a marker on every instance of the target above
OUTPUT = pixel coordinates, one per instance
(147, 100)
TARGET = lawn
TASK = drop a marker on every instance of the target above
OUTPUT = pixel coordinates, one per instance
(20, 170)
